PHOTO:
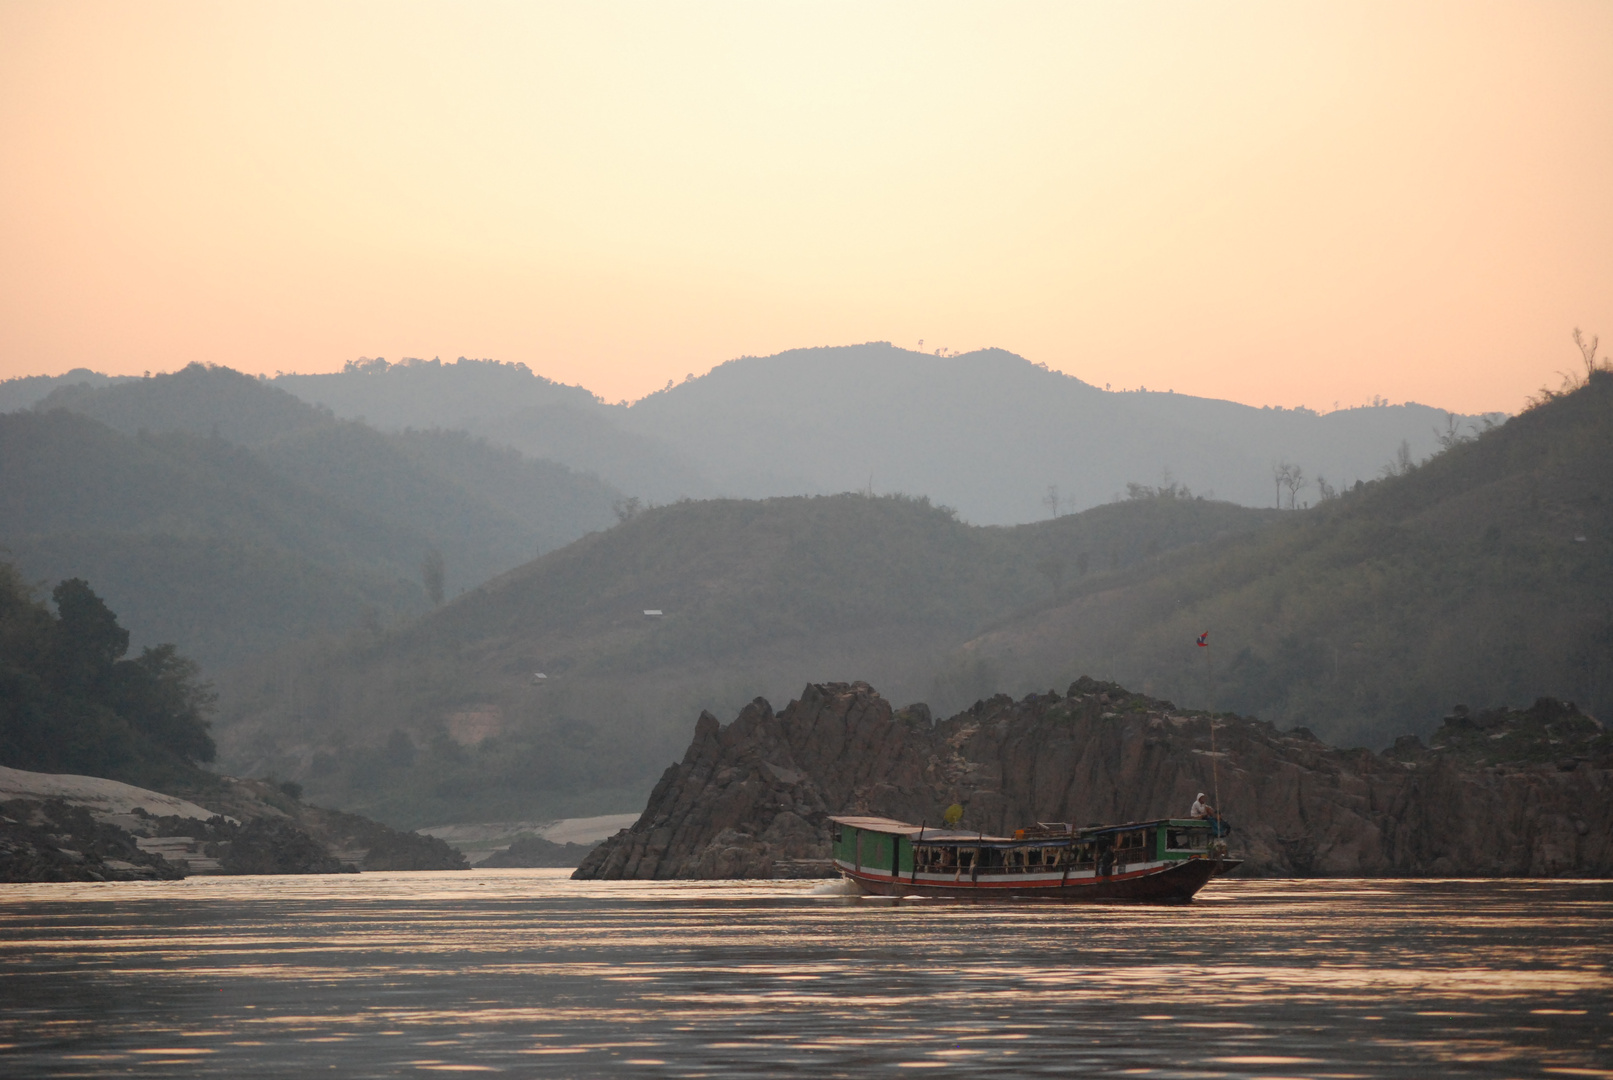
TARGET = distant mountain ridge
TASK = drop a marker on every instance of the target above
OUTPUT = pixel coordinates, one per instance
(430, 393)
(990, 433)
(26, 391)
(986, 432)
(508, 404)
(230, 517)
(999, 438)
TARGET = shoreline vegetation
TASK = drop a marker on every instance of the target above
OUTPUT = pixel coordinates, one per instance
(86, 733)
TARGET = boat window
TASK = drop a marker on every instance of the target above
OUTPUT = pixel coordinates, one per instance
(1187, 839)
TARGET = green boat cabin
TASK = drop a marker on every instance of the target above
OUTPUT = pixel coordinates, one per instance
(884, 846)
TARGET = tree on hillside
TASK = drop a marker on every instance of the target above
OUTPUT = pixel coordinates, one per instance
(1587, 352)
(1291, 477)
(1451, 435)
(1168, 489)
(1402, 464)
(70, 702)
(1295, 482)
(1587, 349)
(88, 640)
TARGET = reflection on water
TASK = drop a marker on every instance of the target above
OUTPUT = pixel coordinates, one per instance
(529, 973)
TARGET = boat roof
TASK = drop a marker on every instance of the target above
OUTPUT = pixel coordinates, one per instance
(892, 827)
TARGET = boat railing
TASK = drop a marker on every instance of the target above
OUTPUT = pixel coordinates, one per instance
(982, 859)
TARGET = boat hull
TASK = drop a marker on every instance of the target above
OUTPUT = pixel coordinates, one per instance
(1172, 883)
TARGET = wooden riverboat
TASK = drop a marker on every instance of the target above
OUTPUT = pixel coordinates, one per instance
(1163, 862)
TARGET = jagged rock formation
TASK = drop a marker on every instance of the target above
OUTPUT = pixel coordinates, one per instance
(752, 799)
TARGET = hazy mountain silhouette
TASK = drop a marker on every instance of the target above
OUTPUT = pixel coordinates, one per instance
(986, 432)
(197, 399)
(507, 404)
(25, 391)
(430, 393)
(228, 516)
(590, 439)
(192, 539)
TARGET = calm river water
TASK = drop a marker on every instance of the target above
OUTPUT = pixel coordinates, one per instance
(527, 973)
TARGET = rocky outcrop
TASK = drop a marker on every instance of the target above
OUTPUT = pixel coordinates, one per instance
(269, 845)
(752, 799)
(535, 851)
(50, 840)
(57, 827)
(96, 794)
(369, 845)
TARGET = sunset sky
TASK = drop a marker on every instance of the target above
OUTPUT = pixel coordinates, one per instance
(1276, 203)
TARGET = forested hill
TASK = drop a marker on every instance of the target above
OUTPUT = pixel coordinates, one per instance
(445, 719)
(1484, 576)
(430, 393)
(227, 516)
(510, 405)
(197, 399)
(26, 391)
(1462, 580)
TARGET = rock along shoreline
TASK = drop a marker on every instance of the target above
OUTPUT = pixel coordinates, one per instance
(1504, 793)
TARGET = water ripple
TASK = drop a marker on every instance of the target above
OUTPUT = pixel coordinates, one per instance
(529, 973)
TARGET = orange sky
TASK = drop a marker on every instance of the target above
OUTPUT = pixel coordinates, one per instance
(1276, 203)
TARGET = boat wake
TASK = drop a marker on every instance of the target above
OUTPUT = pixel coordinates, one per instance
(837, 887)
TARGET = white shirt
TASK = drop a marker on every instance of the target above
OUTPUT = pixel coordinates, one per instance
(1200, 809)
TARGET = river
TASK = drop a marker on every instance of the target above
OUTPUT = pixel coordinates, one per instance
(527, 973)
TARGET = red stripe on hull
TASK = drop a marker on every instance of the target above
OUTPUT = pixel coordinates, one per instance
(1174, 884)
